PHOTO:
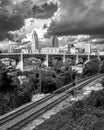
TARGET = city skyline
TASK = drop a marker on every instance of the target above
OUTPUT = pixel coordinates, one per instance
(72, 21)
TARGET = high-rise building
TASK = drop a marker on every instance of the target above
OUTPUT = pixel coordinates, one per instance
(69, 47)
(88, 48)
(34, 43)
(55, 41)
(12, 45)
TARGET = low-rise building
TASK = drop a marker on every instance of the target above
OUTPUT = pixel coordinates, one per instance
(50, 50)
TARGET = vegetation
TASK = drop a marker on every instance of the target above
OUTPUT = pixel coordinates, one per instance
(86, 114)
(91, 67)
(12, 93)
(18, 88)
(101, 67)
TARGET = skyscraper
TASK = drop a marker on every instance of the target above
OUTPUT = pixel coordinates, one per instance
(55, 41)
(88, 48)
(69, 47)
(34, 43)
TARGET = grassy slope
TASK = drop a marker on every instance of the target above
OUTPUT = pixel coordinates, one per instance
(81, 116)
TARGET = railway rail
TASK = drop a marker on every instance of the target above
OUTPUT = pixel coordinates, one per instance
(17, 119)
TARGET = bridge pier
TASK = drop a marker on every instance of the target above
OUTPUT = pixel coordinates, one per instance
(64, 59)
(99, 57)
(88, 57)
(47, 61)
(21, 61)
(20, 64)
(76, 59)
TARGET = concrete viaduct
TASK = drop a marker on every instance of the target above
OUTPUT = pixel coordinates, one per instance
(19, 57)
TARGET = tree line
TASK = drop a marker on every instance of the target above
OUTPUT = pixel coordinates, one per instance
(18, 88)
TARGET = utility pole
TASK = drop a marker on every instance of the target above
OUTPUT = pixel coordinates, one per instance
(21, 62)
(40, 79)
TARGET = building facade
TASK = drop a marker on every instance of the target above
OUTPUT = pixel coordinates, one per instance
(34, 43)
(69, 48)
(50, 50)
(88, 48)
(55, 41)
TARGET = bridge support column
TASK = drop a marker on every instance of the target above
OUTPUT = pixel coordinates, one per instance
(88, 57)
(99, 57)
(76, 59)
(21, 62)
(64, 59)
(47, 60)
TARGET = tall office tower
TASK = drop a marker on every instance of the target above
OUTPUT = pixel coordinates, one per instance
(34, 43)
(55, 41)
(69, 47)
(88, 48)
(9, 49)
(12, 45)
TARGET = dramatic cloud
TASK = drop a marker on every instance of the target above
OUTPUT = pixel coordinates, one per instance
(78, 17)
(44, 11)
(12, 16)
(14, 12)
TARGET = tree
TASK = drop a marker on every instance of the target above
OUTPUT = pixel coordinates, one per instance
(57, 66)
(101, 67)
(23, 94)
(5, 79)
(92, 67)
(50, 81)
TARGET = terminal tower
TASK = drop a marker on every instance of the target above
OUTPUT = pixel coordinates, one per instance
(35, 42)
(55, 41)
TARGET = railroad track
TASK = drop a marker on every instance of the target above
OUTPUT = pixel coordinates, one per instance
(17, 119)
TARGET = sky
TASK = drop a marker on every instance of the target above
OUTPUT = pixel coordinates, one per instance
(64, 18)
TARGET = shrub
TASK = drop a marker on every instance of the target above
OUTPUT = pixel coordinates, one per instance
(101, 67)
(4, 104)
(96, 99)
(102, 82)
(49, 85)
(78, 110)
(79, 105)
(5, 79)
(92, 67)
(99, 125)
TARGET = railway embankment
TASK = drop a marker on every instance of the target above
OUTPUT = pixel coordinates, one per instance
(66, 115)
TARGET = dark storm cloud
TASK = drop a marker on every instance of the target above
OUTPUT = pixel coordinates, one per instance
(98, 42)
(44, 11)
(97, 36)
(12, 16)
(97, 39)
(14, 12)
(78, 17)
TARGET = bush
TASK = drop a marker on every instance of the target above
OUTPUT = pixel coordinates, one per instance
(78, 110)
(23, 94)
(50, 81)
(4, 104)
(102, 82)
(49, 85)
(101, 68)
(98, 125)
(12, 93)
(92, 67)
(19, 91)
(96, 99)
(5, 80)
(79, 105)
